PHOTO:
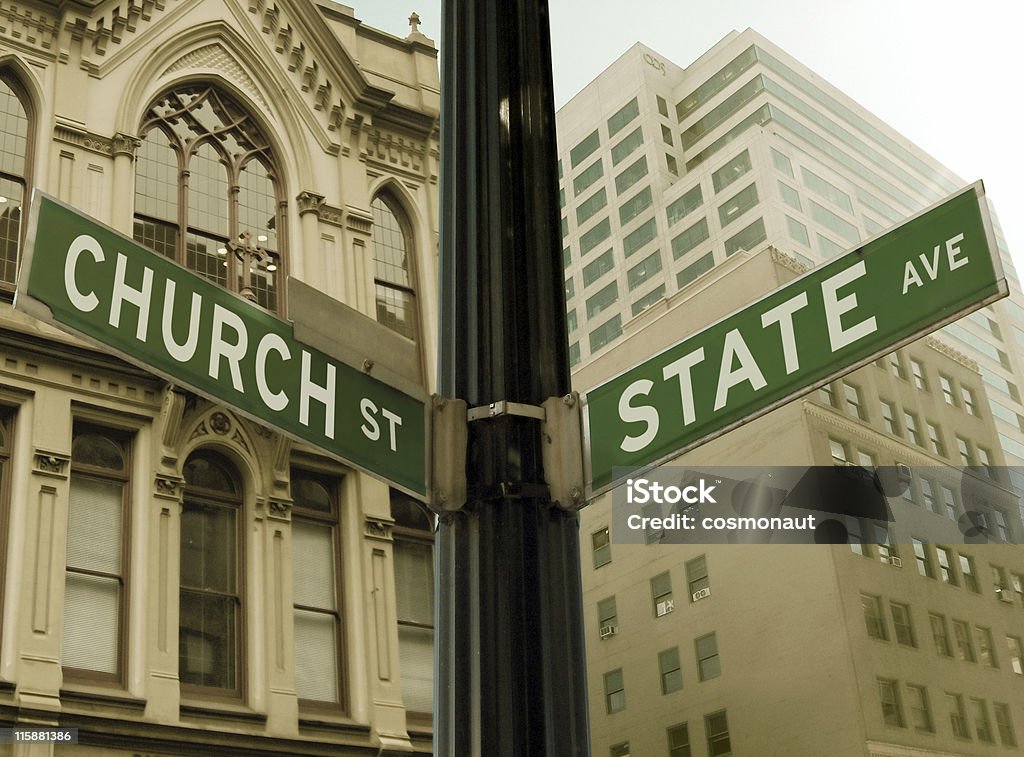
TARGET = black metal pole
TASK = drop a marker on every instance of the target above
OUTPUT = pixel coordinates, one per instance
(510, 672)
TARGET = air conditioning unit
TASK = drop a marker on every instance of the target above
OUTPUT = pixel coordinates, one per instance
(980, 521)
(705, 592)
(896, 562)
(664, 608)
(1004, 595)
(607, 631)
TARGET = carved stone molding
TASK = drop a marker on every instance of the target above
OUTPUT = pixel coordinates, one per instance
(395, 149)
(84, 139)
(309, 202)
(279, 508)
(787, 261)
(375, 528)
(168, 487)
(215, 56)
(22, 26)
(171, 415)
(951, 353)
(332, 215)
(220, 423)
(358, 221)
(52, 464)
(124, 144)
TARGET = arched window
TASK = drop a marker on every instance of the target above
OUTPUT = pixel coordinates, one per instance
(14, 170)
(414, 595)
(396, 295)
(210, 634)
(207, 192)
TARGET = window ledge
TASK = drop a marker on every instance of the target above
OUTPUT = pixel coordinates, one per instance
(326, 721)
(221, 711)
(93, 699)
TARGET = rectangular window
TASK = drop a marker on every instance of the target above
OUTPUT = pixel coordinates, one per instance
(662, 105)
(917, 371)
(970, 406)
(1015, 649)
(603, 300)
(690, 238)
(679, 741)
(827, 190)
(317, 601)
(732, 171)
(716, 726)
(697, 580)
(666, 135)
(623, 116)
(708, 664)
(970, 575)
(606, 333)
(834, 223)
(924, 562)
(595, 235)
(940, 635)
(644, 270)
(695, 270)
(797, 232)
(661, 594)
(889, 696)
(588, 207)
(957, 715)
(602, 547)
(671, 165)
(920, 712)
(627, 146)
(782, 163)
(747, 239)
(598, 267)
(986, 647)
(963, 447)
(962, 641)
(945, 558)
(931, 502)
(827, 396)
(607, 615)
(913, 434)
(619, 750)
(854, 401)
(95, 580)
(571, 322)
(688, 202)
(671, 673)
(737, 205)
(902, 624)
(790, 196)
(896, 366)
(634, 206)
(614, 691)
(631, 175)
(1004, 725)
(648, 300)
(873, 619)
(982, 725)
(935, 439)
(839, 450)
(948, 393)
(570, 288)
(574, 353)
(889, 417)
(640, 237)
(587, 177)
(584, 149)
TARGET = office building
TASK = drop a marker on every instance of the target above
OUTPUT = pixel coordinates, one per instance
(176, 578)
(688, 193)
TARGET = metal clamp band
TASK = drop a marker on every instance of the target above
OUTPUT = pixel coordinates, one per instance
(504, 407)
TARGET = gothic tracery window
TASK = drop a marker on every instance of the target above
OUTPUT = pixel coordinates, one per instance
(14, 160)
(207, 192)
(393, 277)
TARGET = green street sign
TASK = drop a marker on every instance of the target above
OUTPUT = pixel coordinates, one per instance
(929, 271)
(89, 280)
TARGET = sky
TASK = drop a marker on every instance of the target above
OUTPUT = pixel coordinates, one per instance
(945, 75)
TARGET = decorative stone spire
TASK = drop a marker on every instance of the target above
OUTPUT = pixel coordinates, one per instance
(414, 23)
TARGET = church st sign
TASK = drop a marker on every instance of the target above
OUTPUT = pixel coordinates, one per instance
(927, 272)
(94, 282)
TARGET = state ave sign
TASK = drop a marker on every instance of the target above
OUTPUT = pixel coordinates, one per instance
(929, 271)
(92, 281)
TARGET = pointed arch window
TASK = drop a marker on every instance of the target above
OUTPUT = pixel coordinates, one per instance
(393, 276)
(15, 162)
(207, 192)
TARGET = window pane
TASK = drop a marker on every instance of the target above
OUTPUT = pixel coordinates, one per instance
(414, 582)
(94, 525)
(12, 195)
(316, 656)
(207, 640)
(313, 550)
(416, 661)
(14, 128)
(208, 548)
(91, 622)
(157, 178)
(208, 191)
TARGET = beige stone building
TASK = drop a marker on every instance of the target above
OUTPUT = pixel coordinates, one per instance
(689, 192)
(174, 578)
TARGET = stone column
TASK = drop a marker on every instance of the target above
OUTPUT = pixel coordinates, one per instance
(312, 267)
(123, 184)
